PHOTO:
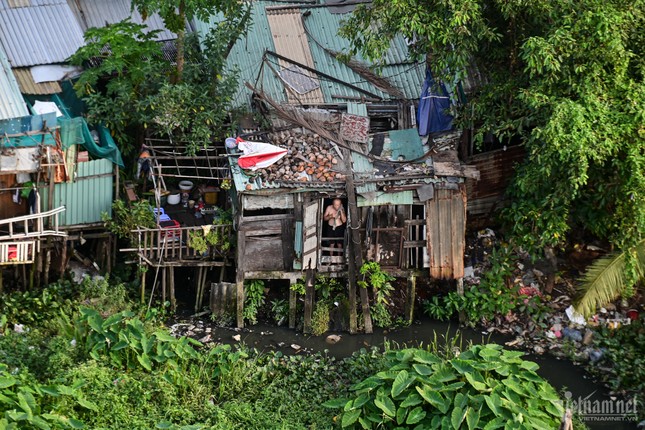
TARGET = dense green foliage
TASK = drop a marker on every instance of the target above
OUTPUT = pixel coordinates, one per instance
(125, 218)
(482, 387)
(622, 366)
(129, 86)
(564, 78)
(98, 366)
(494, 296)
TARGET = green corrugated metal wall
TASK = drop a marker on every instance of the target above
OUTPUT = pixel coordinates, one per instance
(87, 197)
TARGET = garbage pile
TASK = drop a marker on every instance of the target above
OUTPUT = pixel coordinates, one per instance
(561, 331)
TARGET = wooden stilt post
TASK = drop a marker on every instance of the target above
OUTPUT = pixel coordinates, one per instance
(164, 284)
(355, 260)
(48, 261)
(239, 285)
(32, 273)
(173, 299)
(143, 282)
(25, 280)
(198, 287)
(409, 305)
(1, 282)
(293, 302)
(309, 300)
(239, 278)
(63, 260)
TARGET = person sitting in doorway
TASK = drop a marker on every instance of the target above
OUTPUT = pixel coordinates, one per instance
(334, 225)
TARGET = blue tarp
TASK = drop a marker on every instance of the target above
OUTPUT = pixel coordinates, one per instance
(434, 105)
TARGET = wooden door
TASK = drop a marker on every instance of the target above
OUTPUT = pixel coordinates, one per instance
(310, 236)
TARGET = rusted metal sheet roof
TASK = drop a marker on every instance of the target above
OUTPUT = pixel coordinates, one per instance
(12, 105)
(496, 170)
(317, 31)
(93, 13)
(46, 32)
(28, 86)
(290, 41)
(446, 227)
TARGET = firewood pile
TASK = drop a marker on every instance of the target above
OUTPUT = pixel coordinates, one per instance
(310, 158)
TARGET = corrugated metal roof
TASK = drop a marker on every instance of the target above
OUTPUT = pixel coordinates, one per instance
(12, 105)
(86, 198)
(93, 13)
(45, 33)
(247, 55)
(28, 86)
(322, 29)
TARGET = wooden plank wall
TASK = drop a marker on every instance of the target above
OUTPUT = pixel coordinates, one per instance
(446, 227)
(268, 244)
(8, 209)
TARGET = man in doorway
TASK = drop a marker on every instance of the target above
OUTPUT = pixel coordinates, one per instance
(334, 225)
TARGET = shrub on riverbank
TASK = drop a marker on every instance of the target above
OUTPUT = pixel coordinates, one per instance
(484, 386)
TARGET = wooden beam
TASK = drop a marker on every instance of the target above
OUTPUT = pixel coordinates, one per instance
(355, 260)
(241, 245)
(409, 304)
(309, 299)
(293, 302)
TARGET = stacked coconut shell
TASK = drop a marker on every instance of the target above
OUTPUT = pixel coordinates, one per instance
(309, 158)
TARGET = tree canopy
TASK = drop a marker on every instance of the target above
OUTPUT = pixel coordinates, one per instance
(128, 85)
(566, 78)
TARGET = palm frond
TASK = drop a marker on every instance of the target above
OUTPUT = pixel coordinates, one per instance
(605, 280)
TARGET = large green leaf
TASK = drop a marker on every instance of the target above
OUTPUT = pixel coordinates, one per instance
(604, 280)
(402, 381)
(434, 398)
(350, 417)
(88, 404)
(401, 414)
(422, 369)
(7, 381)
(457, 417)
(472, 418)
(415, 415)
(335, 403)
(425, 357)
(477, 381)
(413, 399)
(145, 362)
(385, 404)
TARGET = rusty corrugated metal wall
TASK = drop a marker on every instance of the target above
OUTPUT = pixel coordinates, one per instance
(291, 41)
(496, 170)
(446, 227)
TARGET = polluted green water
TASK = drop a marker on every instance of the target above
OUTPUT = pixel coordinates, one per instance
(566, 377)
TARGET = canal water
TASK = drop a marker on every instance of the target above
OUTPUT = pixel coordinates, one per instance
(562, 374)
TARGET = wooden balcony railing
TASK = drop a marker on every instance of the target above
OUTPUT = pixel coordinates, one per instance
(32, 226)
(163, 245)
(17, 252)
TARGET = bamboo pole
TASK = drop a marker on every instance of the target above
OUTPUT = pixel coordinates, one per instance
(173, 300)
